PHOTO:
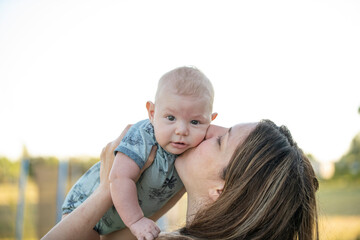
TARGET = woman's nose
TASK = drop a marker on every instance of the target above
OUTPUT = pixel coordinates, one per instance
(215, 131)
(181, 129)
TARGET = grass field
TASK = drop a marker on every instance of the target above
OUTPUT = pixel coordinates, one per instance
(8, 203)
(339, 209)
(339, 227)
(339, 198)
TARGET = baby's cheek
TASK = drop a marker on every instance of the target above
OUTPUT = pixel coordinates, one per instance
(161, 139)
(199, 138)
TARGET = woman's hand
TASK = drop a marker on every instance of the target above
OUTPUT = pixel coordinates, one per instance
(107, 158)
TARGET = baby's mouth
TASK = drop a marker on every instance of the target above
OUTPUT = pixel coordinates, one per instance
(178, 144)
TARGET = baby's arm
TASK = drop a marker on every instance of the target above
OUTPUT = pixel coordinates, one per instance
(123, 177)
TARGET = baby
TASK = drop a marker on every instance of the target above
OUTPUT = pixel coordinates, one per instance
(178, 120)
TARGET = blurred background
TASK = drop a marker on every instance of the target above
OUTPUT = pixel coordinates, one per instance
(73, 74)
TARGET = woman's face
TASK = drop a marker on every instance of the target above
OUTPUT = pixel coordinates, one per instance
(201, 167)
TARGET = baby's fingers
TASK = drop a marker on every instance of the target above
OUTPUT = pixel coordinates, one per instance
(151, 236)
(153, 233)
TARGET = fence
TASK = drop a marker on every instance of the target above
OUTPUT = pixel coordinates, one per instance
(53, 180)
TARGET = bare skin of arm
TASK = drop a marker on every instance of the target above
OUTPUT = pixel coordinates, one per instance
(123, 177)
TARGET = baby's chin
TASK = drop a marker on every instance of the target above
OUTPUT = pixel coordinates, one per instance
(187, 152)
(178, 151)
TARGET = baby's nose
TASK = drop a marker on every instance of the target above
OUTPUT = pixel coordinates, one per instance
(181, 129)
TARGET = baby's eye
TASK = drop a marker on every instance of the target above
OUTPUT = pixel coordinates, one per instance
(170, 118)
(195, 122)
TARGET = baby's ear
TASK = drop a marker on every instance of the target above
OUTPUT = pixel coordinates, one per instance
(213, 116)
(151, 110)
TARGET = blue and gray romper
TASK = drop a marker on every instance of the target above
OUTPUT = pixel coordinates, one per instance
(157, 184)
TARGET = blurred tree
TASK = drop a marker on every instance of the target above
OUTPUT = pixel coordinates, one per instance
(315, 164)
(9, 170)
(349, 164)
(39, 161)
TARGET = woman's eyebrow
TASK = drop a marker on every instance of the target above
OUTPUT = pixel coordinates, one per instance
(229, 131)
(228, 134)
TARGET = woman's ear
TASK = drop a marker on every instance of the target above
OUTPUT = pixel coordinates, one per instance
(213, 116)
(151, 110)
(215, 192)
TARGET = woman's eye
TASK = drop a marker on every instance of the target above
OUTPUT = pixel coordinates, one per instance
(195, 122)
(170, 118)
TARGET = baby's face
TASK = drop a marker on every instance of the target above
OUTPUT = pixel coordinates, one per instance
(180, 122)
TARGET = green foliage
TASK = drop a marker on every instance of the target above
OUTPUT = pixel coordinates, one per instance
(36, 161)
(83, 164)
(315, 164)
(349, 164)
(9, 171)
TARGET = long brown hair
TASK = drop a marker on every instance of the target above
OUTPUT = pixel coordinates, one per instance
(269, 192)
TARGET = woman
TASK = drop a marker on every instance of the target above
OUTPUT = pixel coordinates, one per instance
(252, 182)
(268, 188)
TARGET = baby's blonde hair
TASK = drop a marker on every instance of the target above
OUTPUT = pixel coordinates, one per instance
(187, 81)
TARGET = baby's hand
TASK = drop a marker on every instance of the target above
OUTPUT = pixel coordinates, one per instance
(145, 229)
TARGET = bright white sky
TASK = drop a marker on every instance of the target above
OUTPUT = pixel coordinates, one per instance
(74, 73)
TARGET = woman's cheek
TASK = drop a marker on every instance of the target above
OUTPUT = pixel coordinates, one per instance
(202, 152)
